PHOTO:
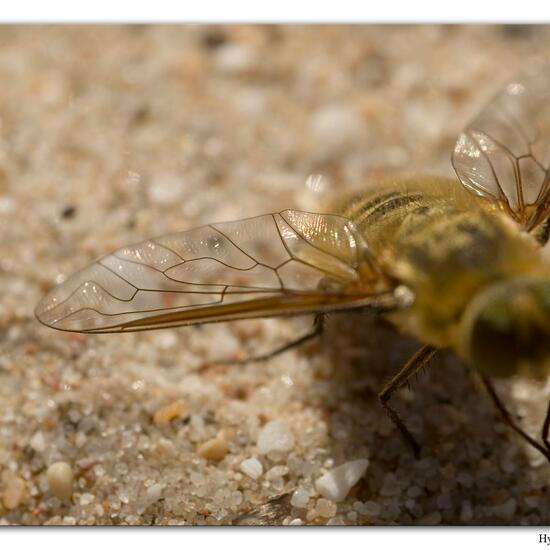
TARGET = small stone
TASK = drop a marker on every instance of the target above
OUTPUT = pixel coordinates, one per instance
(38, 442)
(466, 512)
(166, 340)
(234, 59)
(465, 479)
(370, 508)
(433, 518)
(236, 498)
(86, 498)
(80, 439)
(14, 490)
(414, 491)
(166, 189)
(300, 498)
(214, 449)
(275, 436)
(169, 412)
(296, 521)
(326, 508)
(164, 448)
(443, 501)
(155, 491)
(337, 483)
(390, 486)
(505, 510)
(276, 472)
(252, 467)
(60, 480)
(337, 126)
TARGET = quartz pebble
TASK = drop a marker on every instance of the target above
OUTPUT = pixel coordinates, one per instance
(252, 467)
(38, 442)
(213, 449)
(154, 492)
(86, 498)
(60, 480)
(169, 412)
(326, 508)
(300, 498)
(336, 126)
(166, 189)
(276, 472)
(234, 59)
(337, 483)
(275, 436)
(14, 490)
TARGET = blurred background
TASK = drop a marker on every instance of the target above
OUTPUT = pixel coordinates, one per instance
(112, 134)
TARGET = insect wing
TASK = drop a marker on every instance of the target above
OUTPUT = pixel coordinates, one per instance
(273, 264)
(504, 153)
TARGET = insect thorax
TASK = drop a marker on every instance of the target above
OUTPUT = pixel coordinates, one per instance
(445, 245)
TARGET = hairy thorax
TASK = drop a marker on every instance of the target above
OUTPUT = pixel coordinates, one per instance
(444, 245)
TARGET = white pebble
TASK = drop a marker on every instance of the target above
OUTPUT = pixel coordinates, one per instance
(252, 467)
(38, 442)
(80, 439)
(166, 189)
(155, 491)
(336, 127)
(86, 498)
(275, 436)
(60, 480)
(167, 340)
(300, 498)
(234, 59)
(276, 472)
(337, 483)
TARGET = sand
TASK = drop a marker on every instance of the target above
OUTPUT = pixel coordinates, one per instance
(109, 135)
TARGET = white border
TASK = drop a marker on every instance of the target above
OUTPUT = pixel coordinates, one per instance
(340, 11)
(266, 538)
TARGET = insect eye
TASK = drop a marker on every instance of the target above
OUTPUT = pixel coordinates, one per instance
(507, 329)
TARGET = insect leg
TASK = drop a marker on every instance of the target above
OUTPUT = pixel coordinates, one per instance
(317, 330)
(508, 419)
(420, 359)
(273, 512)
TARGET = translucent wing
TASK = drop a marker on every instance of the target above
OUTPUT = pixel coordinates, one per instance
(504, 154)
(275, 264)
